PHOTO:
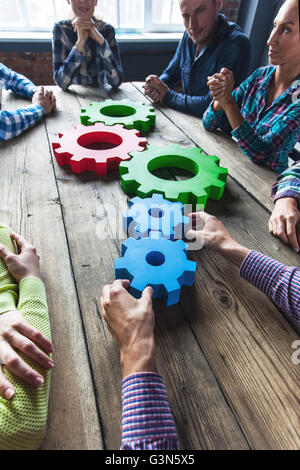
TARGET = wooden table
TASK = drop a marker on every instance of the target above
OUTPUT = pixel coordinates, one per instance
(225, 351)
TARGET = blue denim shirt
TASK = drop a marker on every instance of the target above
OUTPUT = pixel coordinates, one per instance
(230, 48)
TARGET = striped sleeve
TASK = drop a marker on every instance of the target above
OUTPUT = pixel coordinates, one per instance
(279, 282)
(147, 421)
(13, 123)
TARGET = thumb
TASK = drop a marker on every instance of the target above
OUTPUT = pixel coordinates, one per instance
(147, 294)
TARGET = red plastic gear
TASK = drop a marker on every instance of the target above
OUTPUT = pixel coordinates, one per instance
(75, 147)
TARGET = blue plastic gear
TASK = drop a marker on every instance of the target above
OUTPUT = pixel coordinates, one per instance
(159, 263)
(155, 214)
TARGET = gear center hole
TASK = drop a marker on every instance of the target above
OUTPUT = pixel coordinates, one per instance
(170, 166)
(155, 258)
(99, 140)
(118, 111)
(156, 212)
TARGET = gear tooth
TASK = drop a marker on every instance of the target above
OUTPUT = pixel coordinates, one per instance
(181, 245)
(144, 191)
(189, 273)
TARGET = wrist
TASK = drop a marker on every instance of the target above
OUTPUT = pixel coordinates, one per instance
(216, 106)
(79, 46)
(228, 103)
(233, 251)
(287, 201)
(138, 357)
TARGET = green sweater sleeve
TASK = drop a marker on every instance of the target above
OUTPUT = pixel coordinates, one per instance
(23, 419)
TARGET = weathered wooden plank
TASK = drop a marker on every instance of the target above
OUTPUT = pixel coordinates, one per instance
(255, 179)
(261, 385)
(30, 204)
(199, 408)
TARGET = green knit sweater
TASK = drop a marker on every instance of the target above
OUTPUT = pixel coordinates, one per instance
(23, 419)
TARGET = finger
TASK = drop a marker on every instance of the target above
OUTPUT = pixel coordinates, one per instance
(17, 366)
(225, 71)
(119, 285)
(291, 234)
(36, 336)
(106, 293)
(27, 347)
(4, 252)
(7, 391)
(280, 231)
(270, 225)
(20, 241)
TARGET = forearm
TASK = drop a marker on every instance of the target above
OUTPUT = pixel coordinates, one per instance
(23, 420)
(147, 421)
(233, 113)
(215, 118)
(15, 82)
(279, 282)
(194, 105)
(233, 252)
(64, 71)
(14, 123)
(112, 64)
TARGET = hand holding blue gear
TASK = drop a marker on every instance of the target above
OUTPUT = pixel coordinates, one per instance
(155, 214)
(159, 263)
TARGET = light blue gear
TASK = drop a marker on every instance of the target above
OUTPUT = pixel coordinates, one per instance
(155, 214)
(159, 263)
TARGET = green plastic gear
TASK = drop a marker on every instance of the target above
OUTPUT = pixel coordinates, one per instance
(208, 181)
(131, 114)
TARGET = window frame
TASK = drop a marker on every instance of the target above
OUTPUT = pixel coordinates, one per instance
(149, 26)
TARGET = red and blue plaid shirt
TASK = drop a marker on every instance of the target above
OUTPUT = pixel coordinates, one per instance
(266, 136)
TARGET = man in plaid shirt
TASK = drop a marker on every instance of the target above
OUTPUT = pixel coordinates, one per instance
(13, 123)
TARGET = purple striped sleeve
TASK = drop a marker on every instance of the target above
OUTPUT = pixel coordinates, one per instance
(147, 421)
(281, 283)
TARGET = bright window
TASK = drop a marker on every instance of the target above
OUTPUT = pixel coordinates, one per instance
(132, 15)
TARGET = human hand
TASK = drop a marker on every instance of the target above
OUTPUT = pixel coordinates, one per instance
(83, 29)
(155, 88)
(131, 323)
(24, 264)
(45, 99)
(221, 86)
(212, 233)
(17, 335)
(284, 222)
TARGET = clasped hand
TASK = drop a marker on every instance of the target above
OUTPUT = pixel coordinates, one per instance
(221, 86)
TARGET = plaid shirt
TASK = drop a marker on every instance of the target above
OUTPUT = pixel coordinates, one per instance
(288, 184)
(12, 123)
(266, 136)
(95, 66)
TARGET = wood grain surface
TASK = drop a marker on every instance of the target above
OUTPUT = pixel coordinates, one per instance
(224, 350)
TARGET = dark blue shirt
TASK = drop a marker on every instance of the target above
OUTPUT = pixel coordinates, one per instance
(230, 48)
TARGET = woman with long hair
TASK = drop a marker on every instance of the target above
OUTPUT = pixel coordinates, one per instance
(263, 114)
